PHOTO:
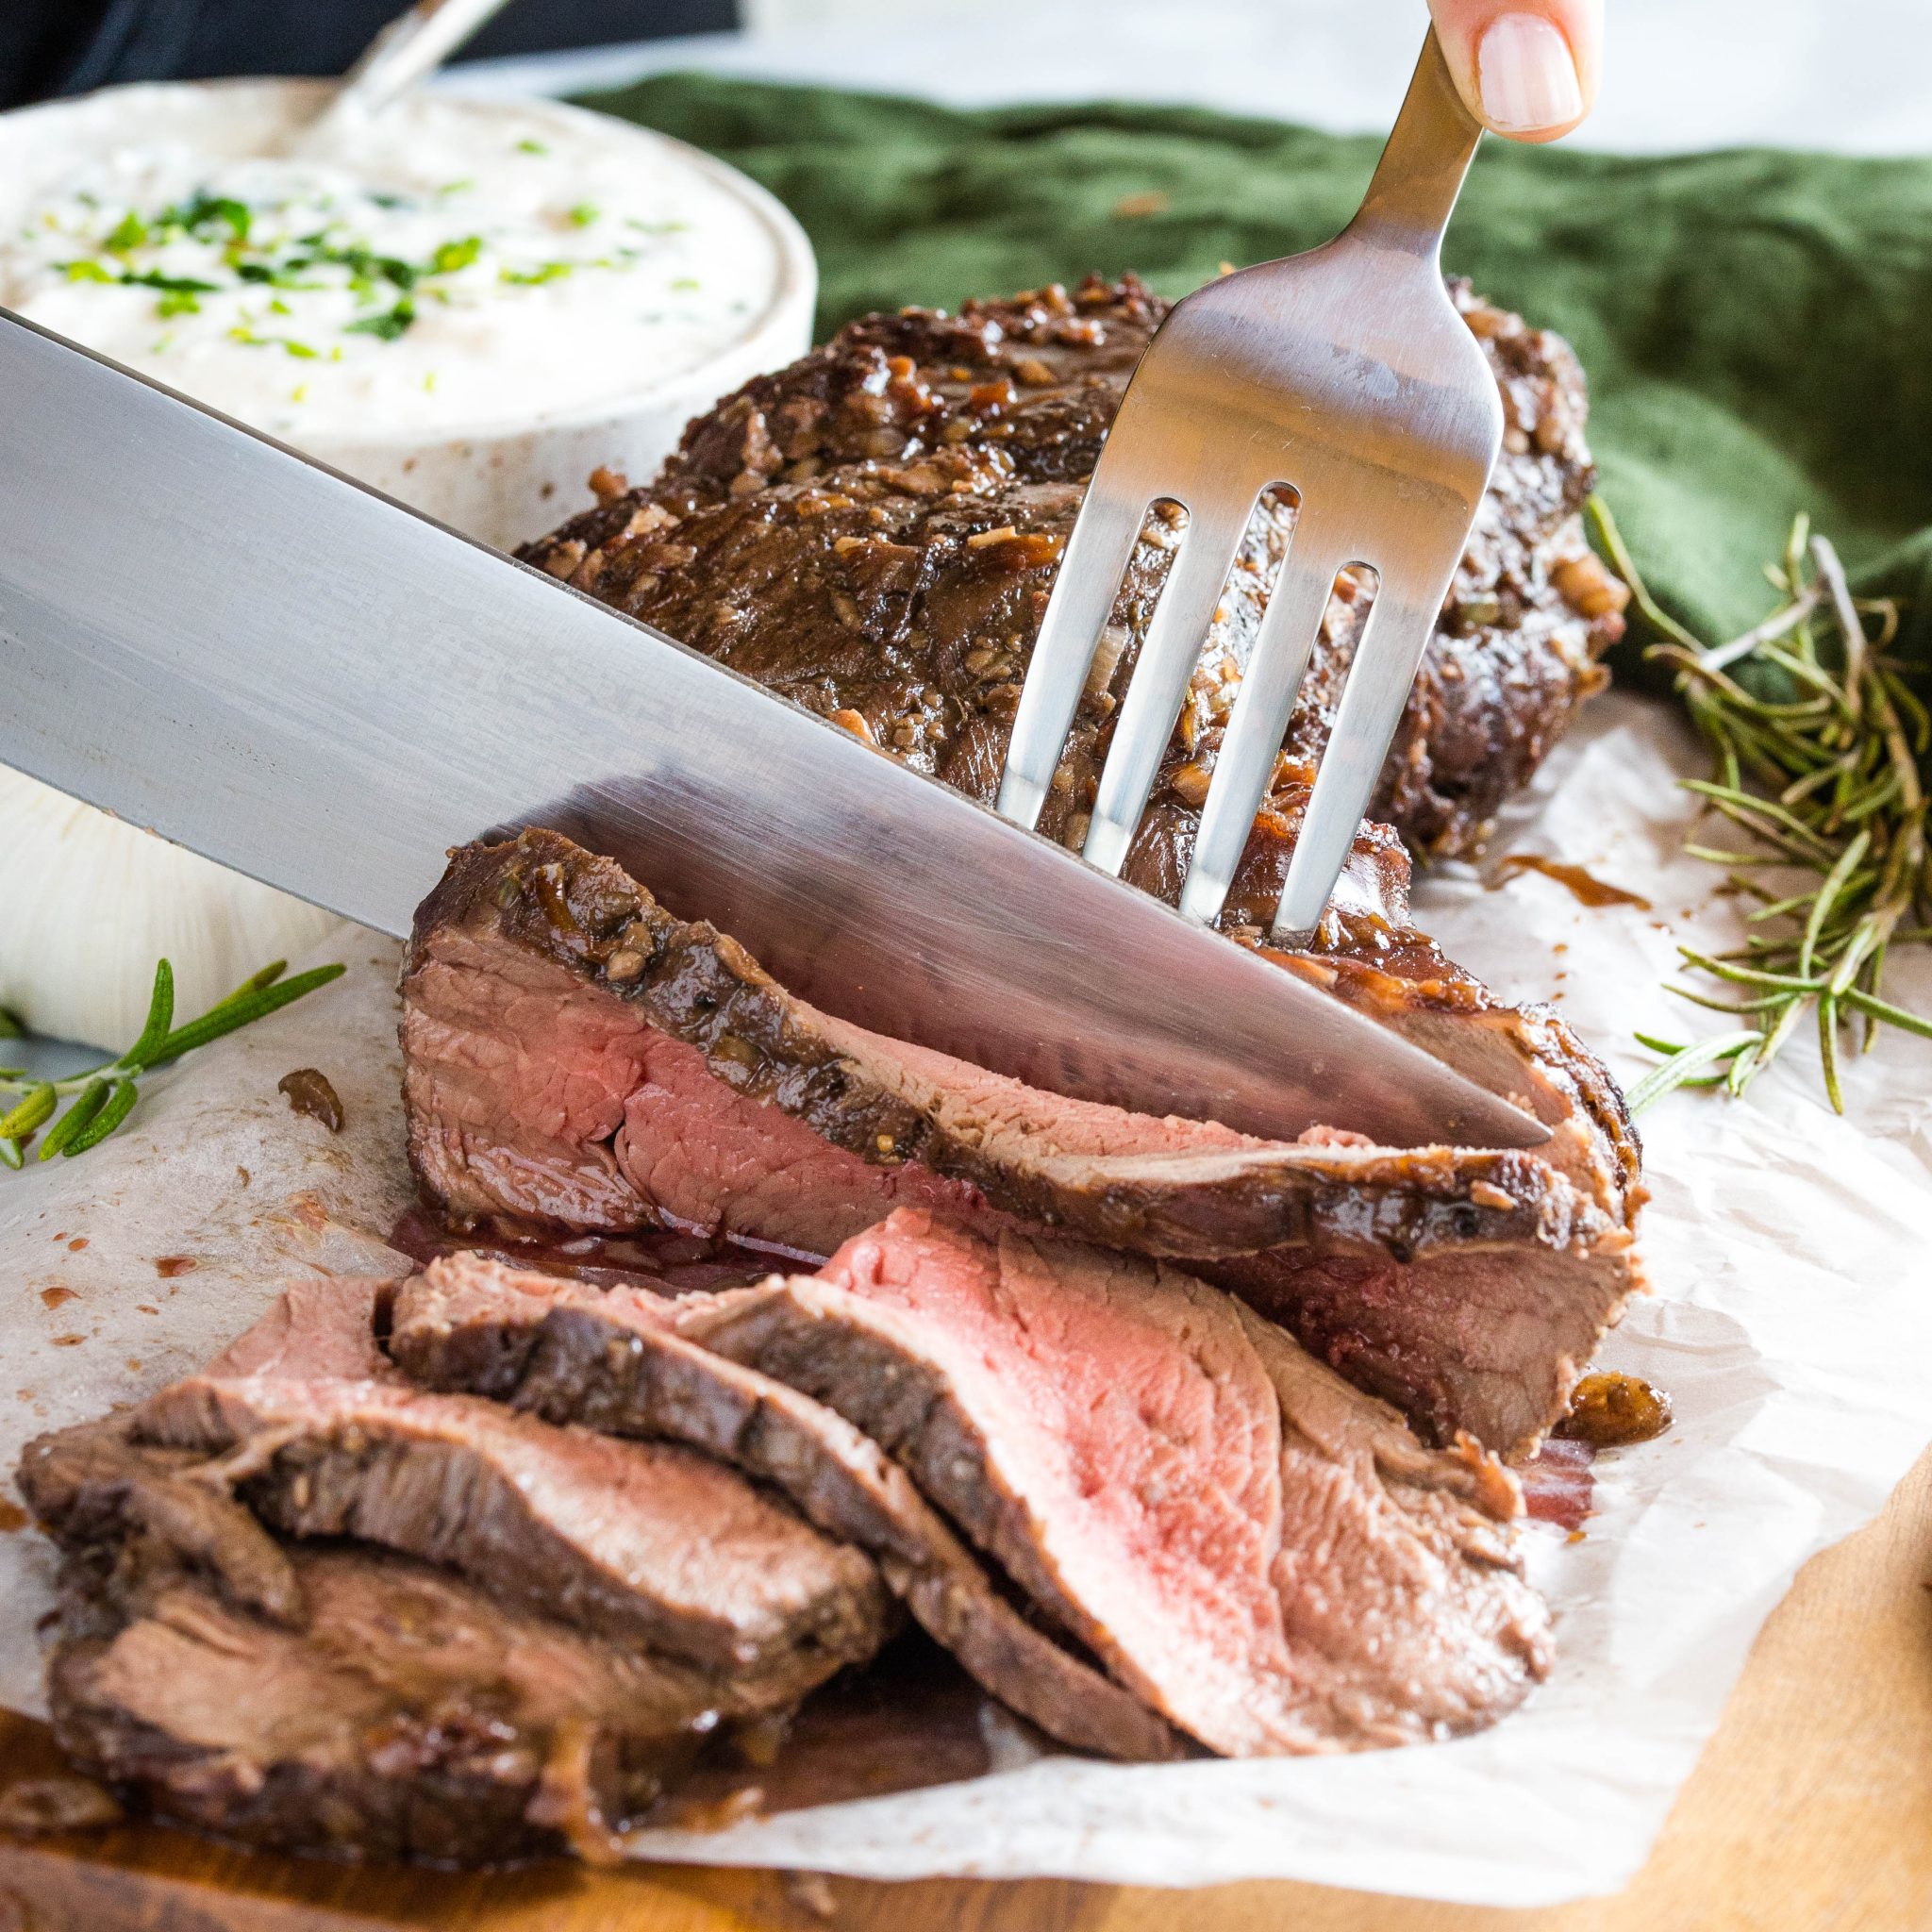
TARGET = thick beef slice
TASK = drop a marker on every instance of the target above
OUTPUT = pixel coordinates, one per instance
(631, 1541)
(1469, 1286)
(873, 531)
(344, 1700)
(412, 1717)
(318, 1327)
(613, 1361)
(92, 1487)
(1264, 1555)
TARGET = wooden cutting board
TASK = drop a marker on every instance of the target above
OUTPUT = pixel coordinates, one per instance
(1811, 1810)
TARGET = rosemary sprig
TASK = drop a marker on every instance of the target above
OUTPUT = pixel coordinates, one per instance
(101, 1097)
(1827, 779)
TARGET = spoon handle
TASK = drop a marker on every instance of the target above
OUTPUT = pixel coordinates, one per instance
(411, 46)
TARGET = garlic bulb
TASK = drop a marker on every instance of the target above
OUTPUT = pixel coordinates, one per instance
(92, 903)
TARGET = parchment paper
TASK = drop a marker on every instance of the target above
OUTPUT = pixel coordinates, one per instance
(1792, 1324)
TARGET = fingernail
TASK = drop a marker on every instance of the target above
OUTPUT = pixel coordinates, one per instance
(1528, 78)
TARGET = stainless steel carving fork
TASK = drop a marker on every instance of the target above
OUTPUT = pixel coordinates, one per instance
(1346, 375)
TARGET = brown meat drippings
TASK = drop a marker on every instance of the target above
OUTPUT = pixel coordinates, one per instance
(1611, 1410)
(58, 1803)
(666, 1260)
(309, 1092)
(912, 1720)
(1586, 887)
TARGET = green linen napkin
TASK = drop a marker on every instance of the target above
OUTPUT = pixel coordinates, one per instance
(1756, 324)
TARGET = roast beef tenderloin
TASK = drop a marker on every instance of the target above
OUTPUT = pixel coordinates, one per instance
(873, 531)
(578, 1059)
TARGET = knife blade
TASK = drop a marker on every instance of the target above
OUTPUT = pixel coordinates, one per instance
(217, 638)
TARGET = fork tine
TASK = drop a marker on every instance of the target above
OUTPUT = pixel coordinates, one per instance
(1160, 680)
(1082, 601)
(1261, 711)
(1385, 660)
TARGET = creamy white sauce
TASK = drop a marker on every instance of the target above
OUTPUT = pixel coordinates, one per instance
(465, 267)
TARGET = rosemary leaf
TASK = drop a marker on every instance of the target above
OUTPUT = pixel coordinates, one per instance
(254, 983)
(1762, 1004)
(1883, 1010)
(1835, 882)
(252, 1001)
(30, 1114)
(1682, 1064)
(1660, 620)
(1827, 1051)
(160, 1013)
(80, 1114)
(1750, 975)
(121, 1099)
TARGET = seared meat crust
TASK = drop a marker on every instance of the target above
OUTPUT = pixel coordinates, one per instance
(874, 532)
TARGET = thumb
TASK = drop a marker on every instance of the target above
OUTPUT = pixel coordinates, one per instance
(1526, 69)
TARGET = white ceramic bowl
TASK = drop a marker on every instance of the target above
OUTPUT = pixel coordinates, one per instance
(504, 480)
(82, 973)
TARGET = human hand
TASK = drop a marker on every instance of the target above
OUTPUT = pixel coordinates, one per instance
(1526, 69)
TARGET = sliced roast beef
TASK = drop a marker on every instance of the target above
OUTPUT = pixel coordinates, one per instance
(1263, 1554)
(578, 1059)
(344, 1700)
(634, 1541)
(92, 1489)
(575, 1618)
(874, 532)
(412, 1717)
(612, 1361)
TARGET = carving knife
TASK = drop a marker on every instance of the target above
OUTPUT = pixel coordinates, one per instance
(218, 639)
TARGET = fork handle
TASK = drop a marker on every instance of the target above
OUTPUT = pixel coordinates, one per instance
(1415, 184)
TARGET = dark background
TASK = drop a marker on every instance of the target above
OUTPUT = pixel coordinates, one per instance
(50, 47)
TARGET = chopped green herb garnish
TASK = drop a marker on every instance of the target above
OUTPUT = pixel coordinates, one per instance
(88, 272)
(527, 146)
(584, 213)
(177, 285)
(249, 339)
(390, 324)
(543, 271)
(205, 211)
(128, 233)
(452, 255)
